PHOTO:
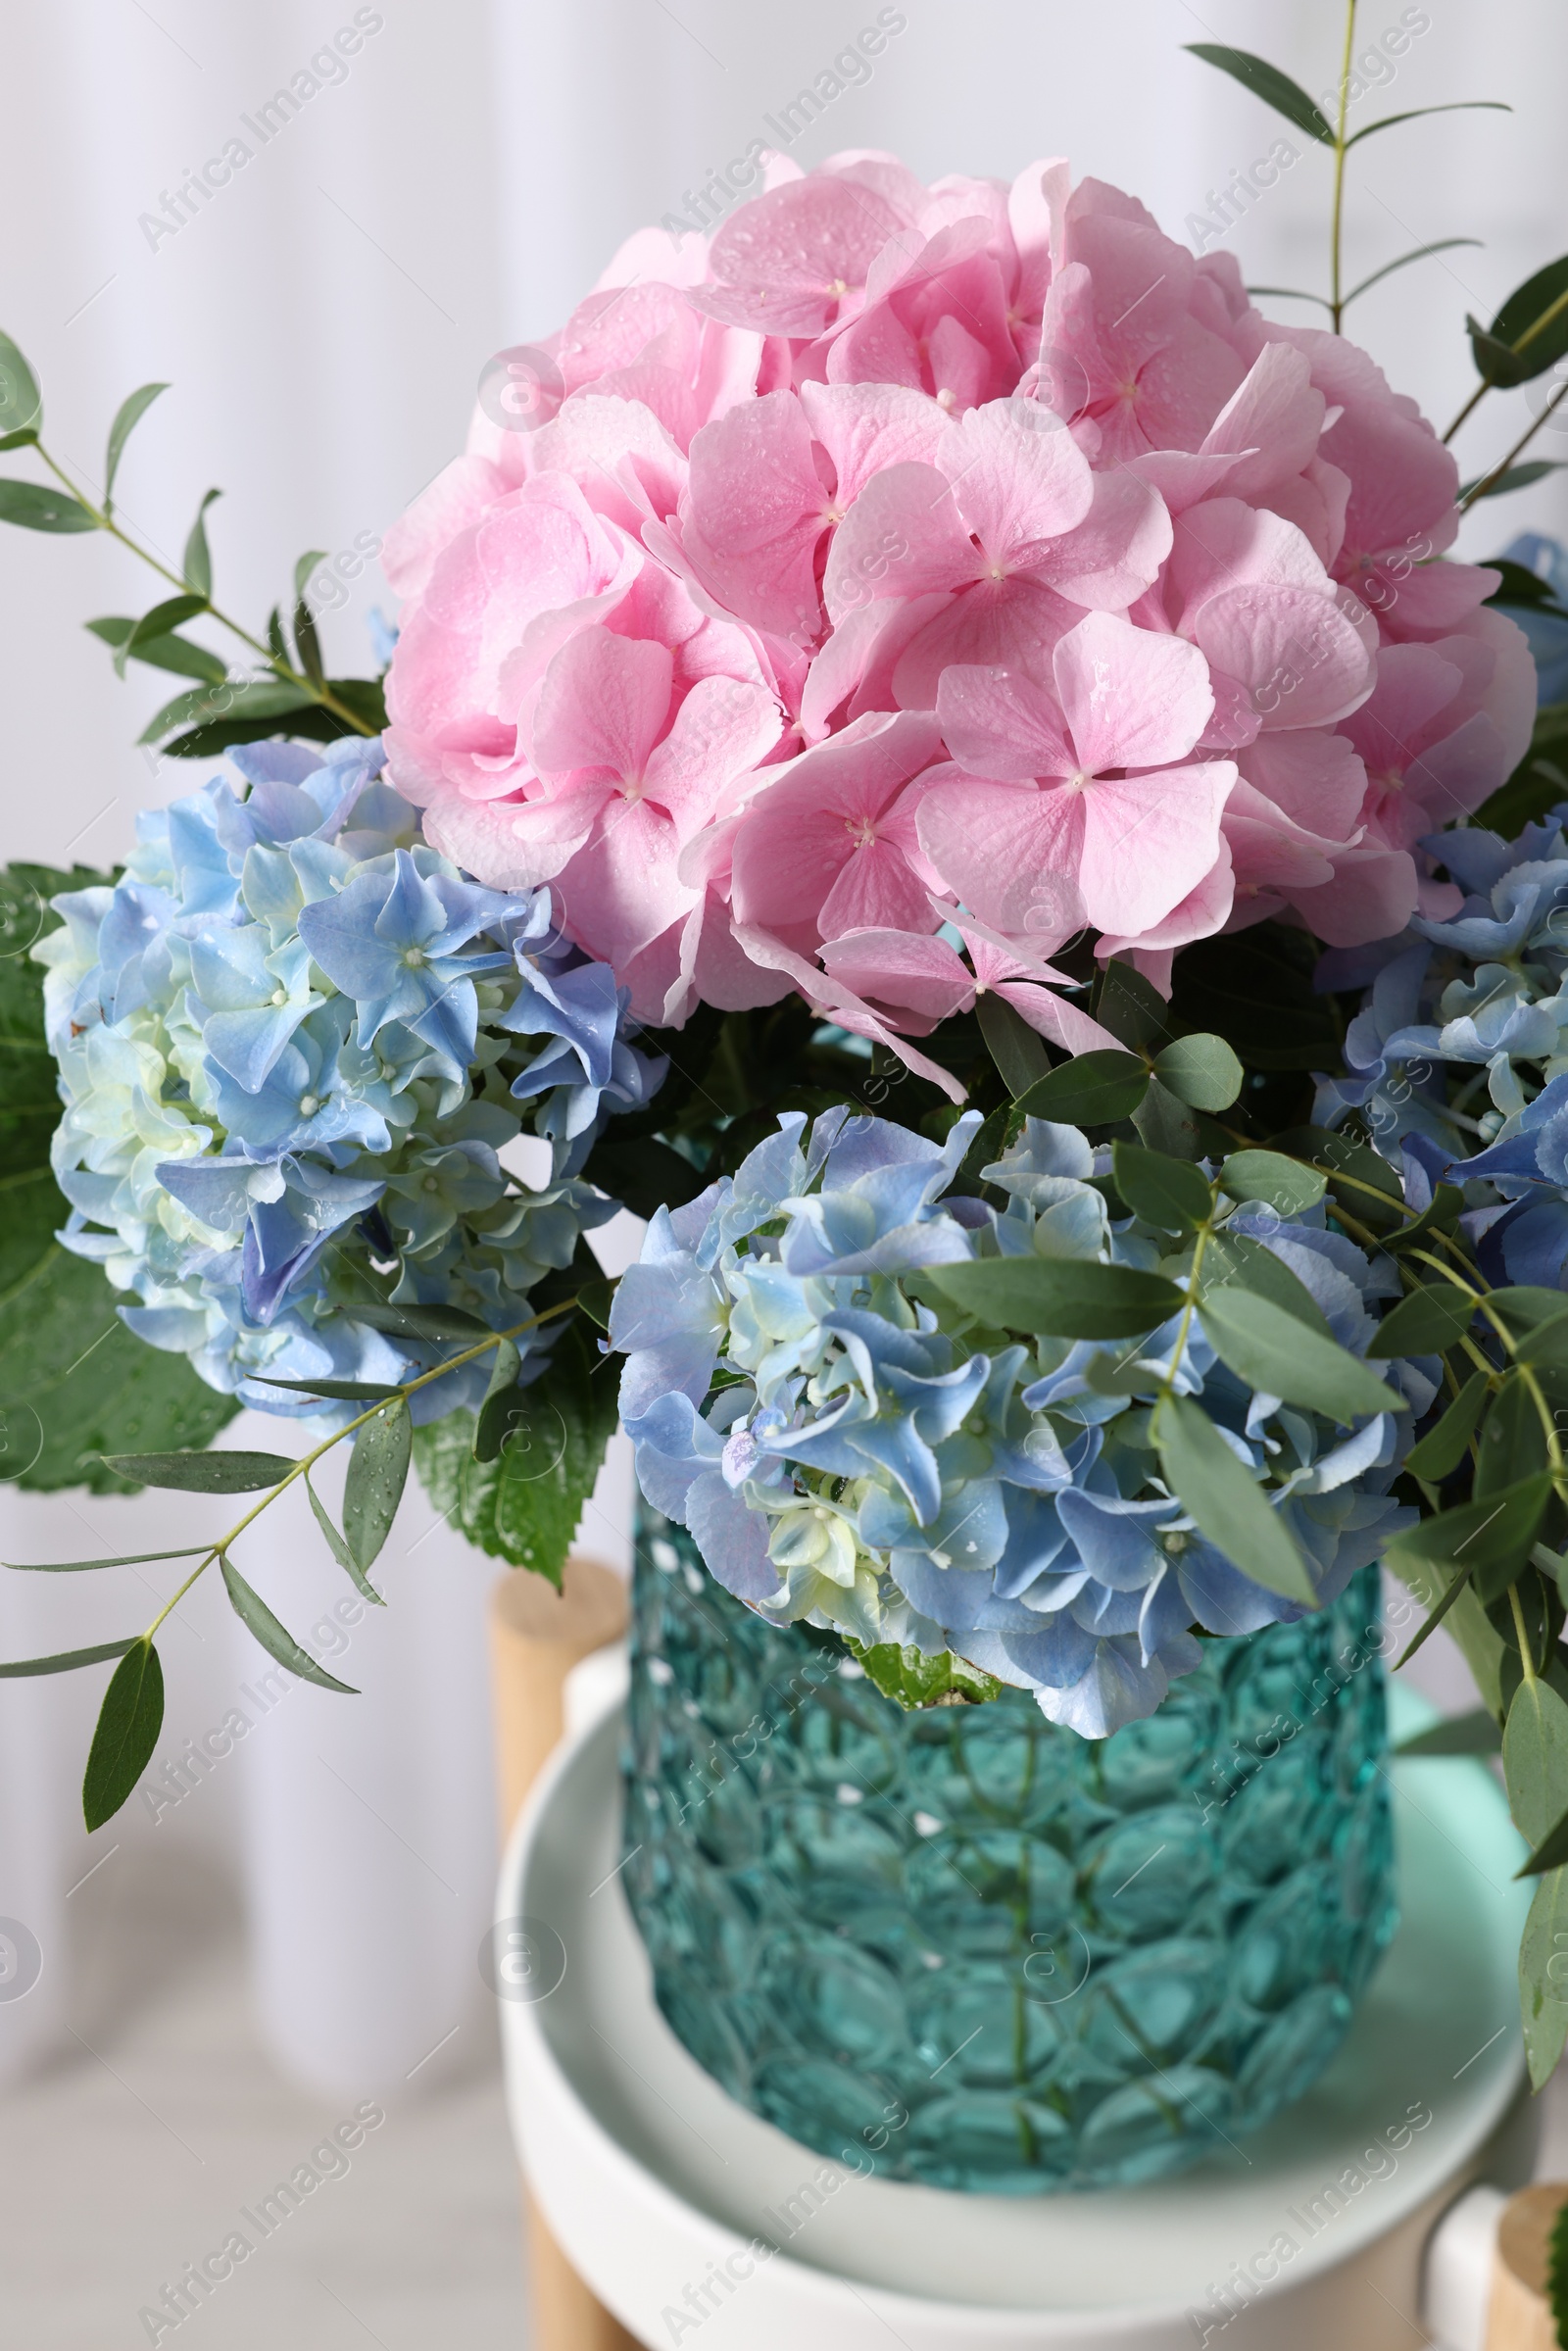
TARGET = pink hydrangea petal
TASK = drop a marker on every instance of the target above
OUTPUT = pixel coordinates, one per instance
(787, 254)
(1299, 659)
(758, 508)
(850, 1011)
(1131, 699)
(453, 502)
(1109, 560)
(723, 730)
(825, 809)
(604, 703)
(1003, 723)
(1009, 852)
(889, 966)
(1372, 895)
(995, 625)
(865, 427)
(903, 537)
(1270, 423)
(1149, 841)
(1056, 1017)
(1018, 480)
(1203, 911)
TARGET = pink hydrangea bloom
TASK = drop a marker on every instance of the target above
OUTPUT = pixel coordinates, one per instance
(907, 578)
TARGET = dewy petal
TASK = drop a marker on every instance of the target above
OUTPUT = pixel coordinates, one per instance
(1132, 699)
(1009, 852)
(1148, 839)
(1003, 723)
(603, 705)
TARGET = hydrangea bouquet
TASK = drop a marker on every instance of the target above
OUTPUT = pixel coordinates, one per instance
(912, 723)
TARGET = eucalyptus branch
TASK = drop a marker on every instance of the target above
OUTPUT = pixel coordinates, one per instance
(1519, 447)
(1341, 149)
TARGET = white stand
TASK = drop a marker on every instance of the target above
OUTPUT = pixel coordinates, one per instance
(668, 2197)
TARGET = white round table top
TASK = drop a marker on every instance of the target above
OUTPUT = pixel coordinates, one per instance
(654, 2180)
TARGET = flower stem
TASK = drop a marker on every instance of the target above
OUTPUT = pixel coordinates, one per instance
(104, 521)
(1337, 301)
(1518, 449)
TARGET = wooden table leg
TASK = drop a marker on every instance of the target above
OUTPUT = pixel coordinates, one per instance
(536, 1638)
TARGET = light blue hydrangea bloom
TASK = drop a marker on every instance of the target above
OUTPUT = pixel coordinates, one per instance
(294, 1043)
(839, 1457)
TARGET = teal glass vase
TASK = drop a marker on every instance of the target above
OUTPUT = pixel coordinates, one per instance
(968, 1947)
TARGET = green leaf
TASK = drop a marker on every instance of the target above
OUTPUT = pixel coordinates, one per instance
(1428, 1322)
(344, 1391)
(1512, 477)
(1489, 1538)
(1012, 1042)
(1225, 1503)
(1512, 1444)
(1543, 1980)
(644, 1174)
(1201, 1071)
(1552, 1851)
(1359, 1179)
(203, 1473)
(1526, 1307)
(1069, 1297)
(1092, 1090)
(1167, 1124)
(1283, 1184)
(1535, 1760)
(1440, 1215)
(1130, 1006)
(27, 439)
(1266, 81)
(1454, 106)
(434, 1326)
(1296, 294)
(127, 416)
(1530, 333)
(261, 700)
(524, 1507)
(173, 653)
(304, 568)
(20, 402)
(1473, 1734)
(36, 507)
(1439, 245)
(502, 1403)
(1442, 1447)
(159, 623)
(196, 568)
(339, 1548)
(912, 1681)
(596, 1299)
(1237, 1258)
(73, 1567)
(1271, 1350)
(65, 1661)
(378, 1469)
(275, 1639)
(1546, 1344)
(1168, 1194)
(129, 1723)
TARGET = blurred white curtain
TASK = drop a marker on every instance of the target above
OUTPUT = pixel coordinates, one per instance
(456, 177)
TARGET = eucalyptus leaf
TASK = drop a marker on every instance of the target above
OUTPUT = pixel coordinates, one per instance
(1530, 333)
(127, 416)
(261, 700)
(1268, 1176)
(1069, 1297)
(159, 623)
(1487, 1537)
(1168, 1194)
(1131, 1007)
(1225, 1503)
(36, 507)
(1164, 1123)
(203, 1473)
(1543, 1994)
(378, 1469)
(129, 1723)
(196, 567)
(1441, 1449)
(1201, 1071)
(20, 402)
(1012, 1042)
(1535, 1760)
(1501, 485)
(341, 1391)
(173, 653)
(1266, 81)
(1438, 245)
(76, 1567)
(1440, 1215)
(1552, 1851)
(26, 439)
(1272, 1351)
(1090, 1089)
(1411, 114)
(65, 1661)
(1428, 1322)
(339, 1548)
(1237, 1258)
(275, 1639)
(436, 1326)
(1512, 1444)
(1473, 1734)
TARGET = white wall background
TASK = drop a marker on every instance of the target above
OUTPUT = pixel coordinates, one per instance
(323, 321)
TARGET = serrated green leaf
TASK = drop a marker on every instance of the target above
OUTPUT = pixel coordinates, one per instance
(196, 567)
(502, 1403)
(378, 1469)
(20, 402)
(1225, 1503)
(65, 1661)
(1069, 1297)
(1266, 81)
(524, 1507)
(1543, 1978)
(339, 1548)
(913, 1680)
(127, 416)
(1268, 1176)
(1428, 1322)
(275, 1639)
(35, 506)
(1019, 1057)
(1272, 1351)
(1442, 1447)
(74, 1567)
(1092, 1090)
(129, 1723)
(1168, 1194)
(1201, 1071)
(1473, 1734)
(203, 1473)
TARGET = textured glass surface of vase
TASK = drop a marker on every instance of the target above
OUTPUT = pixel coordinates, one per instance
(972, 1948)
